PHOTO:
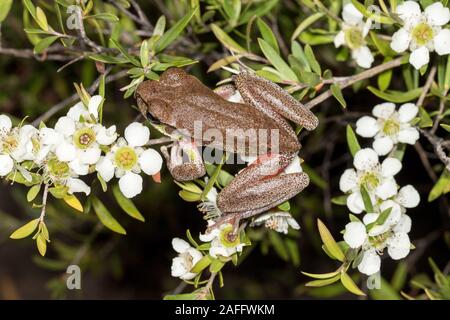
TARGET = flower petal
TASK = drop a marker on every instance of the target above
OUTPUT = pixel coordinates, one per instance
(383, 110)
(105, 168)
(365, 159)
(408, 197)
(382, 145)
(5, 123)
(106, 136)
(442, 42)
(408, 135)
(404, 225)
(355, 234)
(130, 184)
(367, 127)
(409, 12)
(77, 185)
(294, 166)
(398, 246)
(395, 214)
(419, 57)
(65, 126)
(6, 165)
(436, 14)
(90, 155)
(78, 167)
(351, 15)
(363, 57)
(94, 104)
(137, 134)
(407, 112)
(355, 202)
(348, 181)
(400, 40)
(179, 245)
(370, 263)
(77, 111)
(150, 161)
(339, 39)
(66, 152)
(390, 167)
(386, 189)
(178, 269)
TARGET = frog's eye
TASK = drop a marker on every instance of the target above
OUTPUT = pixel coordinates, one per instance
(152, 118)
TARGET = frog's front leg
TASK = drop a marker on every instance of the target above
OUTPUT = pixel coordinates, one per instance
(260, 187)
(184, 160)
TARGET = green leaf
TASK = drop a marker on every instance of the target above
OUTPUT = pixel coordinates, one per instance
(348, 283)
(25, 230)
(144, 54)
(441, 187)
(33, 192)
(73, 202)
(5, 6)
(352, 141)
(285, 206)
(446, 127)
(232, 9)
(277, 61)
(267, 34)
(226, 40)
(202, 264)
(315, 66)
(106, 218)
(108, 59)
(125, 53)
(306, 23)
(321, 275)
(293, 250)
(44, 44)
(41, 19)
(168, 37)
(340, 200)
(160, 26)
(41, 244)
(216, 265)
(374, 15)
(30, 7)
(400, 274)
(366, 199)
(104, 16)
(384, 292)
(323, 282)
(384, 80)
(127, 205)
(425, 119)
(337, 93)
(189, 196)
(329, 242)
(396, 96)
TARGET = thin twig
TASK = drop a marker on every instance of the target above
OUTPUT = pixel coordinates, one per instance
(44, 203)
(347, 81)
(427, 86)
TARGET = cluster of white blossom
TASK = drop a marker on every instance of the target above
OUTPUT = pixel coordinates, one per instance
(385, 223)
(78, 145)
(421, 33)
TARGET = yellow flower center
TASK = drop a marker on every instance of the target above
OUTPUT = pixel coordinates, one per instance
(84, 138)
(422, 34)
(370, 180)
(354, 38)
(9, 142)
(391, 127)
(125, 158)
(228, 238)
(58, 169)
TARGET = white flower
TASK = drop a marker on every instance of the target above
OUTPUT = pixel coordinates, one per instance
(187, 258)
(354, 30)
(378, 179)
(389, 126)
(6, 165)
(422, 33)
(128, 158)
(80, 111)
(223, 242)
(408, 197)
(355, 234)
(370, 263)
(279, 221)
(77, 185)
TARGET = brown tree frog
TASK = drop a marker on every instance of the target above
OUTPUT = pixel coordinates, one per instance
(180, 101)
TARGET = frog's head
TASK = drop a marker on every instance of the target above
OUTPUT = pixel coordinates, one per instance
(155, 98)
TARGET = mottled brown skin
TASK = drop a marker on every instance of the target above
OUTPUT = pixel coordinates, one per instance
(178, 99)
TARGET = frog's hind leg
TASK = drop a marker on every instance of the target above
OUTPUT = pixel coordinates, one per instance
(263, 94)
(260, 187)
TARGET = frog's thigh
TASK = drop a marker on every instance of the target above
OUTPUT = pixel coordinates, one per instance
(262, 94)
(259, 196)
